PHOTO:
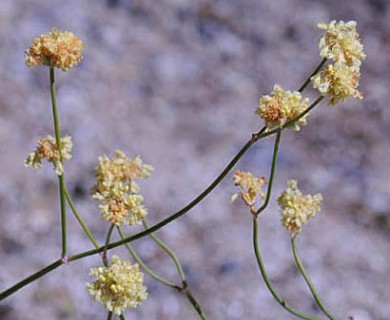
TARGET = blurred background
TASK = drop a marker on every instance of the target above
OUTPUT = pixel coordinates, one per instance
(177, 81)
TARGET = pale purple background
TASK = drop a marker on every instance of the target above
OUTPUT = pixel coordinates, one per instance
(177, 81)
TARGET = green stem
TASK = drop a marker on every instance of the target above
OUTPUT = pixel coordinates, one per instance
(308, 281)
(272, 173)
(109, 315)
(304, 85)
(168, 250)
(30, 279)
(79, 219)
(61, 180)
(255, 137)
(109, 233)
(122, 317)
(144, 266)
(267, 280)
(195, 304)
(184, 210)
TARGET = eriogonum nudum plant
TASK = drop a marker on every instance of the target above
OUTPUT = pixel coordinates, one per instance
(341, 43)
(47, 149)
(119, 286)
(250, 188)
(55, 49)
(117, 190)
(280, 107)
(338, 82)
(296, 209)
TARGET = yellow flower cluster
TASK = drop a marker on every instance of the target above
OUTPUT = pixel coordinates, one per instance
(281, 107)
(118, 287)
(340, 43)
(117, 191)
(47, 149)
(55, 49)
(296, 209)
(339, 82)
(250, 188)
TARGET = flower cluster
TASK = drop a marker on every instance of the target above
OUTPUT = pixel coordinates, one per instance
(117, 191)
(282, 106)
(119, 286)
(47, 149)
(339, 82)
(250, 188)
(296, 209)
(55, 49)
(341, 44)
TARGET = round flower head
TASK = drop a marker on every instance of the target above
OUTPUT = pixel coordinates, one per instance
(339, 82)
(47, 149)
(281, 107)
(341, 43)
(296, 209)
(250, 187)
(55, 49)
(117, 191)
(119, 286)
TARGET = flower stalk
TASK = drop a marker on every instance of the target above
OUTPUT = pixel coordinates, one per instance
(61, 179)
(308, 281)
(267, 280)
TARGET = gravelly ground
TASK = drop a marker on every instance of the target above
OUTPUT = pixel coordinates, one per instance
(177, 82)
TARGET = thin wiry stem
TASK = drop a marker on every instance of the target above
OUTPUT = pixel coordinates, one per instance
(272, 174)
(195, 304)
(307, 81)
(267, 280)
(255, 137)
(308, 281)
(144, 266)
(79, 219)
(168, 250)
(108, 237)
(61, 179)
(30, 279)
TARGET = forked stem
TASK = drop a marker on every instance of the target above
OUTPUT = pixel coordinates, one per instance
(267, 280)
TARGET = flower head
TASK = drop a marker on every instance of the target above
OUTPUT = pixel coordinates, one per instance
(341, 43)
(117, 190)
(118, 287)
(296, 209)
(339, 82)
(47, 149)
(250, 188)
(55, 49)
(281, 107)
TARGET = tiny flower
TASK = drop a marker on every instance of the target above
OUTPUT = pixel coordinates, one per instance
(120, 170)
(296, 209)
(117, 191)
(341, 43)
(123, 208)
(47, 149)
(250, 188)
(55, 49)
(281, 107)
(339, 82)
(119, 286)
